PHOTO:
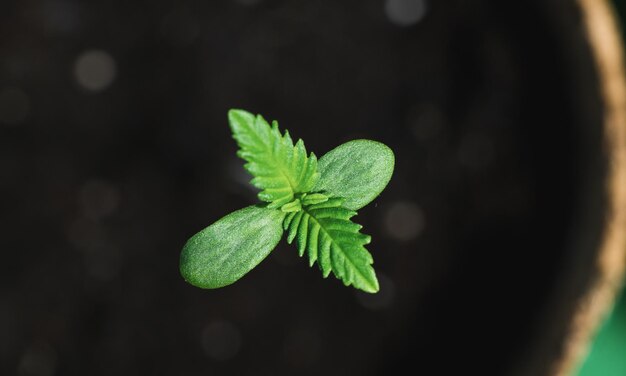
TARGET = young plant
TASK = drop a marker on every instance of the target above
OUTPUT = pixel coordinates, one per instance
(311, 201)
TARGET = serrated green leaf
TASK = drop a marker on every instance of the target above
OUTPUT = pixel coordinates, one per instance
(357, 171)
(294, 222)
(229, 248)
(293, 206)
(314, 198)
(280, 169)
(329, 237)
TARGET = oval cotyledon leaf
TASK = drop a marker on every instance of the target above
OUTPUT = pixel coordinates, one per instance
(229, 248)
(356, 171)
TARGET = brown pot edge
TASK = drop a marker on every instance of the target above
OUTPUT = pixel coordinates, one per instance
(604, 38)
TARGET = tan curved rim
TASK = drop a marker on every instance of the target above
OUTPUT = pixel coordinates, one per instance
(606, 45)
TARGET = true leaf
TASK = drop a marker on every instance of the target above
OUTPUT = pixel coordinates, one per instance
(280, 169)
(314, 198)
(357, 171)
(327, 234)
(229, 248)
(293, 206)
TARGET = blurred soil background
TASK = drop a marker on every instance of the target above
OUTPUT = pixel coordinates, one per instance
(114, 149)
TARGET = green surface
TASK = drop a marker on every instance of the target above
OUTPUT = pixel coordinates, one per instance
(328, 236)
(228, 249)
(280, 169)
(608, 352)
(357, 171)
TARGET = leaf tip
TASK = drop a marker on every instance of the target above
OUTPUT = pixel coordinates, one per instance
(236, 115)
(188, 265)
(369, 285)
(370, 289)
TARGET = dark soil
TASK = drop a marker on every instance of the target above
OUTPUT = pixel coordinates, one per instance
(482, 103)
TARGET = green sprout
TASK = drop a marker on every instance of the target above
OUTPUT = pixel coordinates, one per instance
(312, 201)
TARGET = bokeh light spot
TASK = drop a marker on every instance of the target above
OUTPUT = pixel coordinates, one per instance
(38, 360)
(94, 70)
(302, 347)
(405, 12)
(404, 221)
(426, 121)
(248, 2)
(383, 298)
(476, 152)
(98, 199)
(221, 340)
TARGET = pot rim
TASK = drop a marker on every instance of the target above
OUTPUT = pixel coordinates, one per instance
(604, 38)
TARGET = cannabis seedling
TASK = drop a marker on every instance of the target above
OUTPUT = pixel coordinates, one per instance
(312, 201)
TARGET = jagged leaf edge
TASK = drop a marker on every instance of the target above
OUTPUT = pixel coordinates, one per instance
(279, 168)
(324, 231)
